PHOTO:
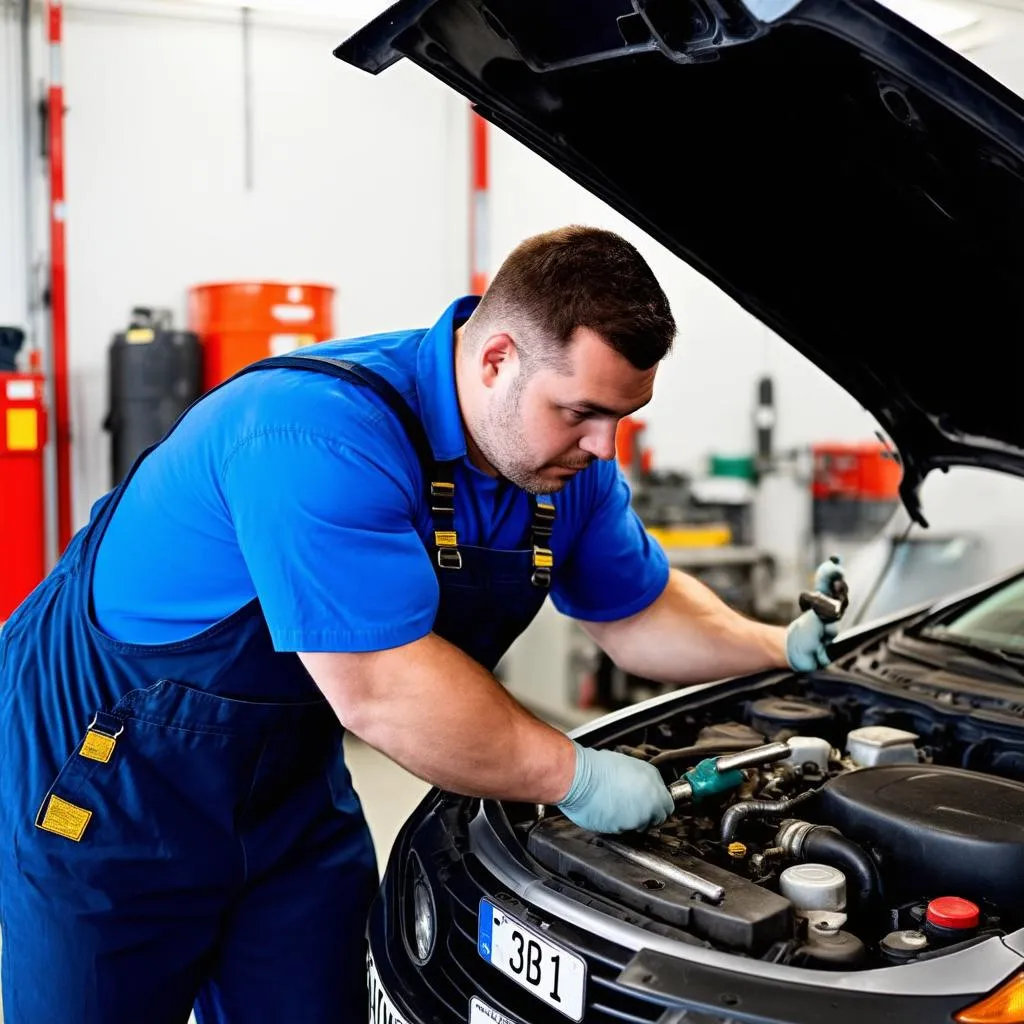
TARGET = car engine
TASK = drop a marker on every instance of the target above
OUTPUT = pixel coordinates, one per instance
(821, 829)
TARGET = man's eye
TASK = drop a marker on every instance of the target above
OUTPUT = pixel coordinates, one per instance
(575, 416)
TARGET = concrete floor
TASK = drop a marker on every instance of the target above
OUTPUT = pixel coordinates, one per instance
(389, 793)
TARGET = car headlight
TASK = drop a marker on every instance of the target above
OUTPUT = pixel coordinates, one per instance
(421, 930)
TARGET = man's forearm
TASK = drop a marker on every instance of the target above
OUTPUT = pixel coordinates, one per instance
(447, 720)
(689, 635)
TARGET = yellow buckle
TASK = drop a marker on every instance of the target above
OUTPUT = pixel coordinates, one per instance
(99, 745)
(446, 539)
(442, 487)
(543, 558)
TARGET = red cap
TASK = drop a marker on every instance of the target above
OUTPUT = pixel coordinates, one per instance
(953, 912)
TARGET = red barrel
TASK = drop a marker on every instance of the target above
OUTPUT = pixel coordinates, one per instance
(854, 489)
(242, 321)
(22, 494)
(862, 470)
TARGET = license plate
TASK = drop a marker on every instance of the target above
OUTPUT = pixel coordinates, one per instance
(481, 1013)
(382, 1010)
(551, 973)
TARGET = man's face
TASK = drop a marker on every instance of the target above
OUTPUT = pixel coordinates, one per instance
(540, 431)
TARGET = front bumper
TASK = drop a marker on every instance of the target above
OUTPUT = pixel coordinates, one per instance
(442, 989)
(624, 985)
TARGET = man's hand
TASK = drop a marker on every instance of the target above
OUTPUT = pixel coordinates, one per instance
(613, 792)
(826, 575)
(807, 635)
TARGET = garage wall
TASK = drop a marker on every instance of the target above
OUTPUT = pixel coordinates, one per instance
(157, 189)
(13, 289)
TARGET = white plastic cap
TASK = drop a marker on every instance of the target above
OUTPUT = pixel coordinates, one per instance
(814, 887)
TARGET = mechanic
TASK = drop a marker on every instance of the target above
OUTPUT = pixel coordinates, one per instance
(356, 541)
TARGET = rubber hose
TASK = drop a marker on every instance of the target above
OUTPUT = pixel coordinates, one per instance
(823, 846)
(733, 815)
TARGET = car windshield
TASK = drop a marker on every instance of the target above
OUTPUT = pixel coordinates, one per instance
(996, 622)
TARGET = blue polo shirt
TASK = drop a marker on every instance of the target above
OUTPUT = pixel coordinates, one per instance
(303, 491)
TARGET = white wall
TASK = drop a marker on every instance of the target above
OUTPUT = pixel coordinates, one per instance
(13, 289)
(357, 182)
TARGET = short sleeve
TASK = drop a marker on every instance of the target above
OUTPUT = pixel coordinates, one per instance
(327, 532)
(614, 568)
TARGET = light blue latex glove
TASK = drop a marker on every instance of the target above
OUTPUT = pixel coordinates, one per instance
(613, 792)
(807, 635)
(826, 574)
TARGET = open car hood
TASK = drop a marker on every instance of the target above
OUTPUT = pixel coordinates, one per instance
(852, 182)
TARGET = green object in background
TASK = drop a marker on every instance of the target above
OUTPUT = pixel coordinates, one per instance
(742, 467)
(706, 780)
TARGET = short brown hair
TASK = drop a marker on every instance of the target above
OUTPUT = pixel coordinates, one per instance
(580, 276)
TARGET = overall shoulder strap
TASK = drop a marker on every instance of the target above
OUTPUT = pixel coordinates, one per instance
(360, 375)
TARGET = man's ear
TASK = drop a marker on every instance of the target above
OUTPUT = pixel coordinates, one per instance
(498, 355)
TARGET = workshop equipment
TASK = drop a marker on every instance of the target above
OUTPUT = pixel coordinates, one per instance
(632, 456)
(11, 340)
(243, 321)
(57, 285)
(23, 426)
(854, 488)
(154, 373)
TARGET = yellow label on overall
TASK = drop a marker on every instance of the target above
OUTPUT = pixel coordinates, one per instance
(446, 539)
(542, 558)
(65, 819)
(97, 747)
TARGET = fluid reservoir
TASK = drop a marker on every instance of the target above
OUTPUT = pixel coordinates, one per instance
(809, 749)
(814, 887)
(772, 715)
(881, 744)
(950, 919)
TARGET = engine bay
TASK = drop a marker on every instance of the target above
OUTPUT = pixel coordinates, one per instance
(861, 830)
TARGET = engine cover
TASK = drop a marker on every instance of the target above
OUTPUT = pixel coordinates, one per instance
(749, 917)
(939, 831)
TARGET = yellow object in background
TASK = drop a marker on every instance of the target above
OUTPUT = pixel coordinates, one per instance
(22, 430)
(691, 536)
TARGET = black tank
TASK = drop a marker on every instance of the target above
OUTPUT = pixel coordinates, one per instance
(154, 374)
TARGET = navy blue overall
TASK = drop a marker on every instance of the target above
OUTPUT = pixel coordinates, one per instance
(177, 823)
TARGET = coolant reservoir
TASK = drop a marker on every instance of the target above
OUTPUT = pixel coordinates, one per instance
(814, 887)
(881, 744)
(809, 749)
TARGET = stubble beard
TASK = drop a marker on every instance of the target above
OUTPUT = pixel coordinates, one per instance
(502, 442)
